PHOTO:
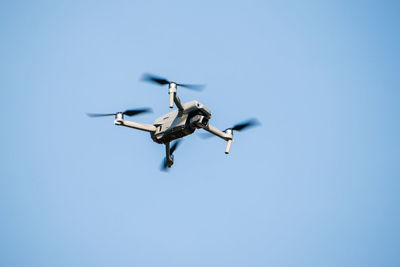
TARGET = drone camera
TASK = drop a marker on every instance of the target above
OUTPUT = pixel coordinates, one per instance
(198, 121)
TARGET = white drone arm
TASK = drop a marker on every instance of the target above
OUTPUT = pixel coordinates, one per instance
(227, 136)
(119, 120)
(178, 102)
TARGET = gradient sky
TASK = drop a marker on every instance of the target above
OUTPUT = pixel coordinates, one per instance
(317, 184)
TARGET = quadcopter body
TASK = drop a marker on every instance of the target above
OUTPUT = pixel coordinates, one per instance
(178, 123)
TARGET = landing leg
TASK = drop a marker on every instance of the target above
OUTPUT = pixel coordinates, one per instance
(169, 159)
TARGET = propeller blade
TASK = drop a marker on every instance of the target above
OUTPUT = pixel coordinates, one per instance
(196, 87)
(129, 112)
(174, 146)
(147, 77)
(164, 166)
(95, 115)
(244, 125)
(133, 112)
(154, 79)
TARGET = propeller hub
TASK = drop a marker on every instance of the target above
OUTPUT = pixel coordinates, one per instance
(119, 117)
(229, 131)
(172, 87)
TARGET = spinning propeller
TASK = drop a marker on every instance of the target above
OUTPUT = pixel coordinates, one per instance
(164, 165)
(129, 112)
(244, 125)
(162, 81)
(237, 127)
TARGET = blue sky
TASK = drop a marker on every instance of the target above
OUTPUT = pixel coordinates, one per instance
(315, 185)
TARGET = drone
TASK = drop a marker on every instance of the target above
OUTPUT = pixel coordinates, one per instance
(178, 123)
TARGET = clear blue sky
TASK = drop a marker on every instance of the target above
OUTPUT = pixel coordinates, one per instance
(316, 185)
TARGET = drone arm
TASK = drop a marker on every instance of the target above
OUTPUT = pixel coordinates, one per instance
(178, 102)
(173, 97)
(217, 132)
(169, 158)
(227, 136)
(135, 125)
